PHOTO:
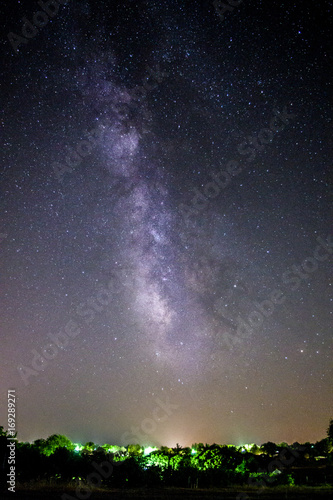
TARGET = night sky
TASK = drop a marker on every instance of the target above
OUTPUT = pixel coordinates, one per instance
(165, 236)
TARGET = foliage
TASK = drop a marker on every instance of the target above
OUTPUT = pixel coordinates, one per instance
(58, 459)
(134, 450)
(48, 446)
(156, 459)
(269, 448)
(89, 447)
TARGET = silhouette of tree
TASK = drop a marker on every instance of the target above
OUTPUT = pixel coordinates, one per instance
(255, 449)
(62, 464)
(49, 445)
(177, 449)
(134, 450)
(322, 447)
(198, 447)
(269, 448)
(33, 464)
(89, 447)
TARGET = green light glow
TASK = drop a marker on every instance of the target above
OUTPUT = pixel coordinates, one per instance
(148, 450)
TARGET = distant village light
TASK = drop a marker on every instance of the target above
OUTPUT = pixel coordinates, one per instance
(148, 450)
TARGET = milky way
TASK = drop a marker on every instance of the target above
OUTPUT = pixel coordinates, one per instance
(165, 206)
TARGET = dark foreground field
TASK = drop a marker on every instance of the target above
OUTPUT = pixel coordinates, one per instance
(290, 493)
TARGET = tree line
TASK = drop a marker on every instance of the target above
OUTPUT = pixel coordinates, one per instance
(58, 460)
